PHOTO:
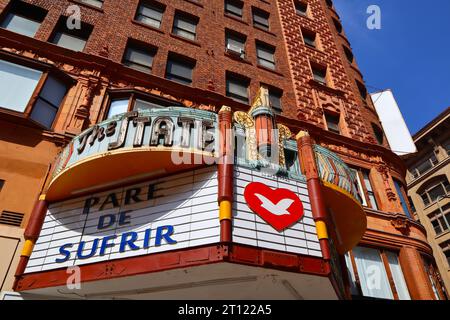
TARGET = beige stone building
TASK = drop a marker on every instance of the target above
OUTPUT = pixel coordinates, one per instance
(429, 190)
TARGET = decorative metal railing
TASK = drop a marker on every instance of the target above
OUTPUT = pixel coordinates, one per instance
(334, 171)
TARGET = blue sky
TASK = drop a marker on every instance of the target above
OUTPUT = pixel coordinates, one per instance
(410, 54)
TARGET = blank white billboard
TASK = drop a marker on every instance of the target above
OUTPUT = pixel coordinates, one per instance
(393, 123)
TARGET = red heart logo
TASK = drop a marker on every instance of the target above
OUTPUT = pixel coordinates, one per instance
(280, 208)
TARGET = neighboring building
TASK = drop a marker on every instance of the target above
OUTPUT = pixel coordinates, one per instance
(429, 189)
(93, 118)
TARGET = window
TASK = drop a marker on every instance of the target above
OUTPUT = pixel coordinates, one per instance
(431, 275)
(359, 187)
(24, 18)
(333, 122)
(292, 161)
(379, 273)
(275, 100)
(309, 38)
(2, 183)
(94, 3)
(179, 69)
(234, 7)
(437, 190)
(235, 44)
(266, 55)
(237, 88)
(185, 26)
(337, 25)
(364, 187)
(362, 90)
(301, 8)
(240, 150)
(18, 85)
(150, 13)
(47, 104)
(447, 255)
(261, 19)
(139, 57)
(368, 262)
(424, 166)
(369, 189)
(137, 102)
(411, 204)
(348, 54)
(73, 39)
(446, 146)
(402, 198)
(397, 275)
(440, 219)
(378, 134)
(319, 74)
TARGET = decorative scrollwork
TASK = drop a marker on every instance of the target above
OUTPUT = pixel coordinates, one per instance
(284, 133)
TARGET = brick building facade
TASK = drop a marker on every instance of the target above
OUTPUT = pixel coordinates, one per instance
(204, 55)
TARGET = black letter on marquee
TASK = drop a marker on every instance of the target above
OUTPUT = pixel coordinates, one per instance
(186, 125)
(83, 141)
(151, 191)
(90, 203)
(123, 130)
(132, 194)
(111, 128)
(162, 127)
(113, 200)
(140, 123)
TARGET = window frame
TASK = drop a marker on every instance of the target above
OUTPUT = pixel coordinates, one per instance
(157, 6)
(132, 96)
(371, 192)
(83, 34)
(174, 57)
(231, 13)
(328, 114)
(233, 96)
(144, 48)
(383, 256)
(277, 93)
(267, 49)
(86, 2)
(187, 18)
(442, 218)
(429, 158)
(403, 198)
(263, 15)
(14, 8)
(431, 186)
(308, 34)
(360, 171)
(299, 12)
(46, 70)
(323, 69)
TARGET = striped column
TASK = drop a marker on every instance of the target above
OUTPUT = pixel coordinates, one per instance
(225, 173)
(31, 235)
(309, 168)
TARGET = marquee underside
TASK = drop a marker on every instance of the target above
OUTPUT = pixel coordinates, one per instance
(206, 282)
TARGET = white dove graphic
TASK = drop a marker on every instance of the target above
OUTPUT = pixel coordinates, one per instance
(279, 209)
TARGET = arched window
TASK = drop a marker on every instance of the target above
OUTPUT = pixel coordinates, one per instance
(434, 189)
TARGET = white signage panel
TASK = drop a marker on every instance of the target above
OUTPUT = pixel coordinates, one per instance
(394, 125)
(250, 229)
(173, 212)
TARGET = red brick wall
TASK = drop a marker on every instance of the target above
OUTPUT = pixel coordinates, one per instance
(114, 25)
